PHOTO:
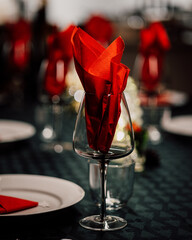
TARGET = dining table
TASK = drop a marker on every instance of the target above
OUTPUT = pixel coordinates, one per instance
(160, 207)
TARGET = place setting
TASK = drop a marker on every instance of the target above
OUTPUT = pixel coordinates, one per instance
(31, 195)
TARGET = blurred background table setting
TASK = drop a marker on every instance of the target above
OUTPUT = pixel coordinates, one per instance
(46, 188)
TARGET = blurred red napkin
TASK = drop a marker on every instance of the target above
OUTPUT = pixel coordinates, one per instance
(100, 28)
(59, 56)
(12, 204)
(104, 78)
(154, 43)
(19, 35)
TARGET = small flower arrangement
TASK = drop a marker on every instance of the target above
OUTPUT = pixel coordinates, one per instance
(141, 137)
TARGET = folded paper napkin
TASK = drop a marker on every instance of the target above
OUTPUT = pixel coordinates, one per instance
(153, 45)
(100, 28)
(19, 34)
(103, 78)
(11, 204)
(59, 56)
(154, 38)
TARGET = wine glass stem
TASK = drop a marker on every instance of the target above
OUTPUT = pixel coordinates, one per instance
(103, 176)
(56, 119)
(152, 106)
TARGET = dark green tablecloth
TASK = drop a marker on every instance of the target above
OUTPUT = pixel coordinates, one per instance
(160, 207)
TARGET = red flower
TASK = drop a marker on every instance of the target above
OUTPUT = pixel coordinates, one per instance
(136, 127)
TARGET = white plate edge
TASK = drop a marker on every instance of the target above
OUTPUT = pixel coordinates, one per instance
(49, 177)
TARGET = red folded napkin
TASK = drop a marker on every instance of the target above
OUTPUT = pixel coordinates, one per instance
(19, 34)
(59, 56)
(154, 43)
(162, 99)
(103, 78)
(100, 28)
(11, 204)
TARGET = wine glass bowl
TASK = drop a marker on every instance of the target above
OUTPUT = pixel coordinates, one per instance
(121, 146)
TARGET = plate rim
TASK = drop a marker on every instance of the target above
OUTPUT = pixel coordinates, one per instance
(48, 210)
(19, 138)
(166, 128)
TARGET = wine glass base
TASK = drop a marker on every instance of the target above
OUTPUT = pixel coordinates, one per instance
(110, 223)
(154, 135)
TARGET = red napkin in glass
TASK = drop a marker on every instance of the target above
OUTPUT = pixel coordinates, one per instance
(60, 54)
(100, 28)
(12, 204)
(154, 43)
(103, 78)
(20, 36)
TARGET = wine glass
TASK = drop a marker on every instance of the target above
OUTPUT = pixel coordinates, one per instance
(151, 70)
(122, 145)
(53, 102)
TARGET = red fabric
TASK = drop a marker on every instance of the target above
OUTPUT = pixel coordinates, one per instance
(100, 28)
(20, 36)
(59, 51)
(154, 44)
(12, 204)
(104, 78)
(163, 99)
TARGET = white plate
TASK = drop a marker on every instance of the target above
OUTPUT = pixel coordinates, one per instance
(51, 193)
(181, 125)
(177, 98)
(11, 131)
